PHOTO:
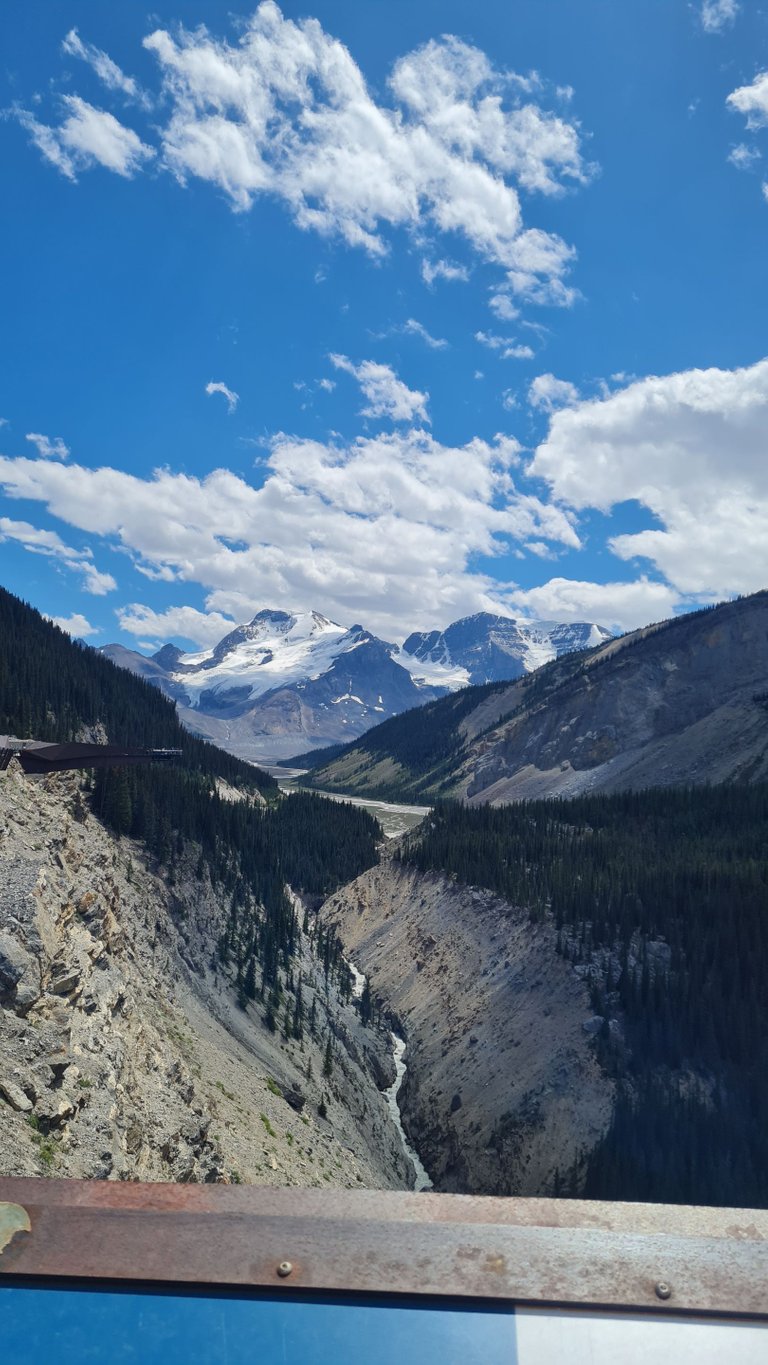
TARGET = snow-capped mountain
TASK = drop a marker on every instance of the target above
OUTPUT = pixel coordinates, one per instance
(288, 682)
(282, 683)
(486, 648)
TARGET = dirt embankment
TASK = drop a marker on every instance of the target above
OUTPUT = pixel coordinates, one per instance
(503, 1088)
(123, 1052)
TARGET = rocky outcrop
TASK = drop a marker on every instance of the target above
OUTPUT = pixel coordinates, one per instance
(503, 1088)
(681, 702)
(123, 1051)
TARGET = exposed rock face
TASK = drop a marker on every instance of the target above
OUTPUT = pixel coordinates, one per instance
(682, 702)
(123, 1053)
(663, 706)
(503, 1087)
(491, 648)
(282, 683)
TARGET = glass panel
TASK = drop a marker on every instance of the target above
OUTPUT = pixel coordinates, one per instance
(102, 1327)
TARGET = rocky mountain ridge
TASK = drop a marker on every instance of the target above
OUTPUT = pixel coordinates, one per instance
(503, 1088)
(287, 682)
(125, 1053)
(680, 702)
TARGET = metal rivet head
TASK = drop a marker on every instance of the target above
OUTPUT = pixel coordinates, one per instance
(284, 1269)
(663, 1290)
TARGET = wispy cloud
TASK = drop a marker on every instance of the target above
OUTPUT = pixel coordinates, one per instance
(48, 449)
(387, 396)
(442, 270)
(49, 544)
(508, 348)
(718, 14)
(87, 137)
(108, 72)
(216, 386)
(416, 329)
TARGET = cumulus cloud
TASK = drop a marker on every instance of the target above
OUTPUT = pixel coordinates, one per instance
(108, 72)
(348, 527)
(547, 393)
(508, 348)
(752, 101)
(717, 14)
(216, 386)
(618, 606)
(76, 624)
(286, 112)
(203, 628)
(387, 396)
(692, 448)
(48, 449)
(48, 543)
(87, 137)
(442, 270)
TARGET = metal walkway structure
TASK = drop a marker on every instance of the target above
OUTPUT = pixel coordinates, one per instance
(35, 756)
(164, 1274)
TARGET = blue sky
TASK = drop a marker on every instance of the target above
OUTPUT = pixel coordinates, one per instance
(397, 311)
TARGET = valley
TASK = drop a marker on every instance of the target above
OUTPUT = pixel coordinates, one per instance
(210, 973)
(288, 682)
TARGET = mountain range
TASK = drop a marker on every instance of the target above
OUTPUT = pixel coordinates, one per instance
(286, 682)
(682, 702)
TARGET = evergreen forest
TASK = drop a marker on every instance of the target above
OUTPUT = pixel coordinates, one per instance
(662, 897)
(53, 688)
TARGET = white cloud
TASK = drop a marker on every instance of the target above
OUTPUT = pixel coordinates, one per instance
(75, 625)
(618, 606)
(286, 111)
(509, 400)
(203, 628)
(716, 14)
(48, 449)
(108, 72)
(218, 387)
(442, 270)
(548, 393)
(508, 348)
(49, 544)
(417, 329)
(692, 448)
(752, 101)
(744, 157)
(387, 396)
(88, 136)
(502, 305)
(327, 385)
(347, 527)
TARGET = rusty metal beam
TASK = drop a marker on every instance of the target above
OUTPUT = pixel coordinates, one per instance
(530, 1251)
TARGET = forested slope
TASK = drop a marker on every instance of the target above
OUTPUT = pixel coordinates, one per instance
(660, 901)
(53, 688)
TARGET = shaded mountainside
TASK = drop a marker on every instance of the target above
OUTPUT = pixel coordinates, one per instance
(584, 990)
(684, 701)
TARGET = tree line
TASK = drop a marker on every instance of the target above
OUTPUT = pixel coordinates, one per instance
(662, 897)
